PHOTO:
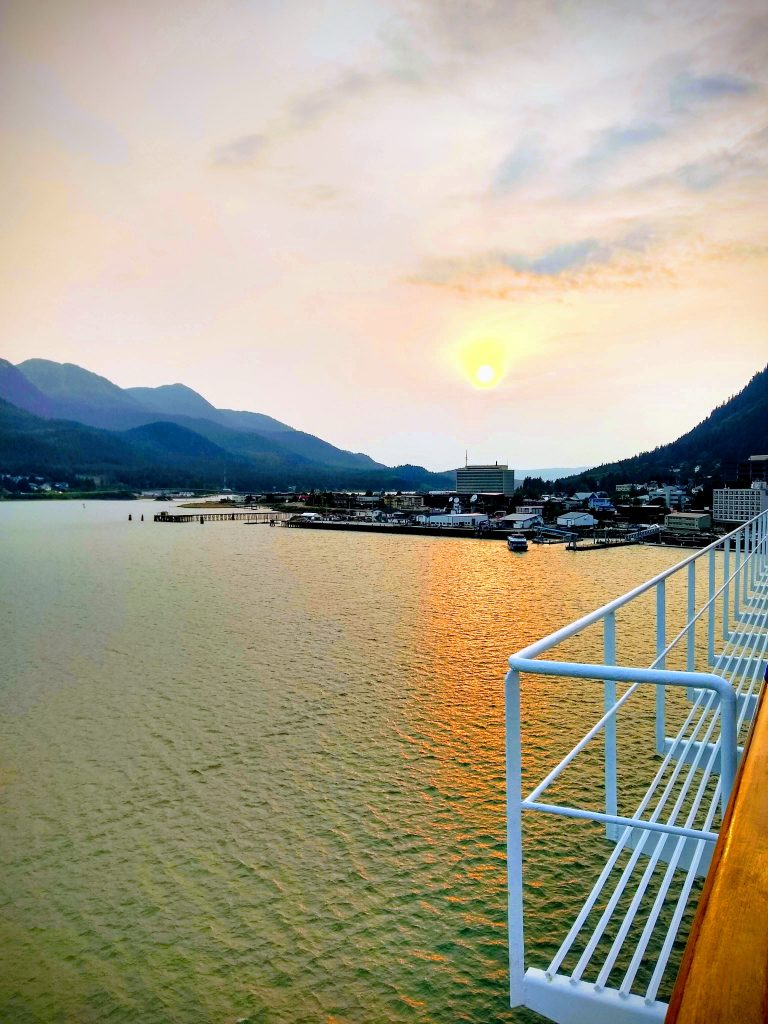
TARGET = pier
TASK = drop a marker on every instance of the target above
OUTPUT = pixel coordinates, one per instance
(397, 528)
(220, 517)
(704, 803)
(613, 540)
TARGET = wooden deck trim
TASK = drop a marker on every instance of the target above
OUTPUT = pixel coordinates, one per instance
(723, 977)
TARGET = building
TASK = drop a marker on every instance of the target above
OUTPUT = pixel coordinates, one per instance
(754, 469)
(472, 519)
(672, 495)
(600, 504)
(407, 502)
(576, 520)
(521, 521)
(688, 522)
(738, 504)
(531, 510)
(479, 479)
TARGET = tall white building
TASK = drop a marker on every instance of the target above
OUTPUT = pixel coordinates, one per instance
(494, 479)
(738, 504)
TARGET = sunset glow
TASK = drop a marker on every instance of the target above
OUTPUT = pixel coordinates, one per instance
(434, 211)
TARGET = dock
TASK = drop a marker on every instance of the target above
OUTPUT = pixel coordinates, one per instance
(613, 540)
(267, 518)
(397, 528)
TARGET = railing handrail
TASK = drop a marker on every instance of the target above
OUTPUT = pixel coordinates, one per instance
(653, 676)
(690, 785)
(588, 620)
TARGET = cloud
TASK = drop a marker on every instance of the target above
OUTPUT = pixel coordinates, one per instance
(309, 108)
(689, 91)
(702, 175)
(567, 256)
(635, 260)
(240, 151)
(516, 167)
(481, 27)
(586, 263)
(747, 158)
(619, 139)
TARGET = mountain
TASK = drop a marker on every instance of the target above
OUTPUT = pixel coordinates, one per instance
(77, 394)
(60, 419)
(179, 400)
(314, 448)
(173, 399)
(550, 473)
(17, 389)
(30, 444)
(171, 441)
(163, 453)
(70, 392)
(713, 448)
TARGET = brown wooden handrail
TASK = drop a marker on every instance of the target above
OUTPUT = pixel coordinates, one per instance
(723, 978)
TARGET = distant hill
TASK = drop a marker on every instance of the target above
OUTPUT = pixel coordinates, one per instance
(161, 451)
(170, 441)
(58, 417)
(549, 473)
(78, 394)
(29, 443)
(179, 400)
(69, 392)
(730, 434)
(16, 388)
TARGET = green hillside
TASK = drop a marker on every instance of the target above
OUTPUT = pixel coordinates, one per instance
(713, 448)
(167, 454)
(65, 391)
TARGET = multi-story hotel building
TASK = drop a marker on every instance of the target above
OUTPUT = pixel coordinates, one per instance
(738, 504)
(495, 479)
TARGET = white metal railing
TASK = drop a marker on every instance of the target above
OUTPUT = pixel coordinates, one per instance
(670, 834)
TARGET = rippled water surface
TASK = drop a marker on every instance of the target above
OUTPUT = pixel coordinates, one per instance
(254, 773)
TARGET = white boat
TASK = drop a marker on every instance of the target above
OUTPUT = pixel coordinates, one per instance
(517, 542)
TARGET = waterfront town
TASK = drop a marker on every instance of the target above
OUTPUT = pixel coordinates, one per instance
(487, 502)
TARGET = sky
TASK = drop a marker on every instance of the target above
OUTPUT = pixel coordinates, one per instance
(534, 232)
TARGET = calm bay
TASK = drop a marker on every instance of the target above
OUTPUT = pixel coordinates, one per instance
(257, 774)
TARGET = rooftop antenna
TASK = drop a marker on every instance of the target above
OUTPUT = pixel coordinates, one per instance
(466, 457)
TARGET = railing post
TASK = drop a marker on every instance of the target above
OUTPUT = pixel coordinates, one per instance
(691, 626)
(737, 569)
(727, 746)
(753, 564)
(661, 643)
(711, 610)
(514, 837)
(609, 699)
(745, 566)
(726, 587)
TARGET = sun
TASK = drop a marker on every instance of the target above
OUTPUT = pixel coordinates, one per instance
(485, 375)
(482, 360)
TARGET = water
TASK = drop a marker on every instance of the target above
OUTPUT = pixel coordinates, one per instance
(254, 773)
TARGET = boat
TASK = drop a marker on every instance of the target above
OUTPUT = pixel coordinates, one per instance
(517, 542)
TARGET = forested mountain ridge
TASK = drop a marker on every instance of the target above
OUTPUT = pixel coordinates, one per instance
(713, 448)
(66, 392)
